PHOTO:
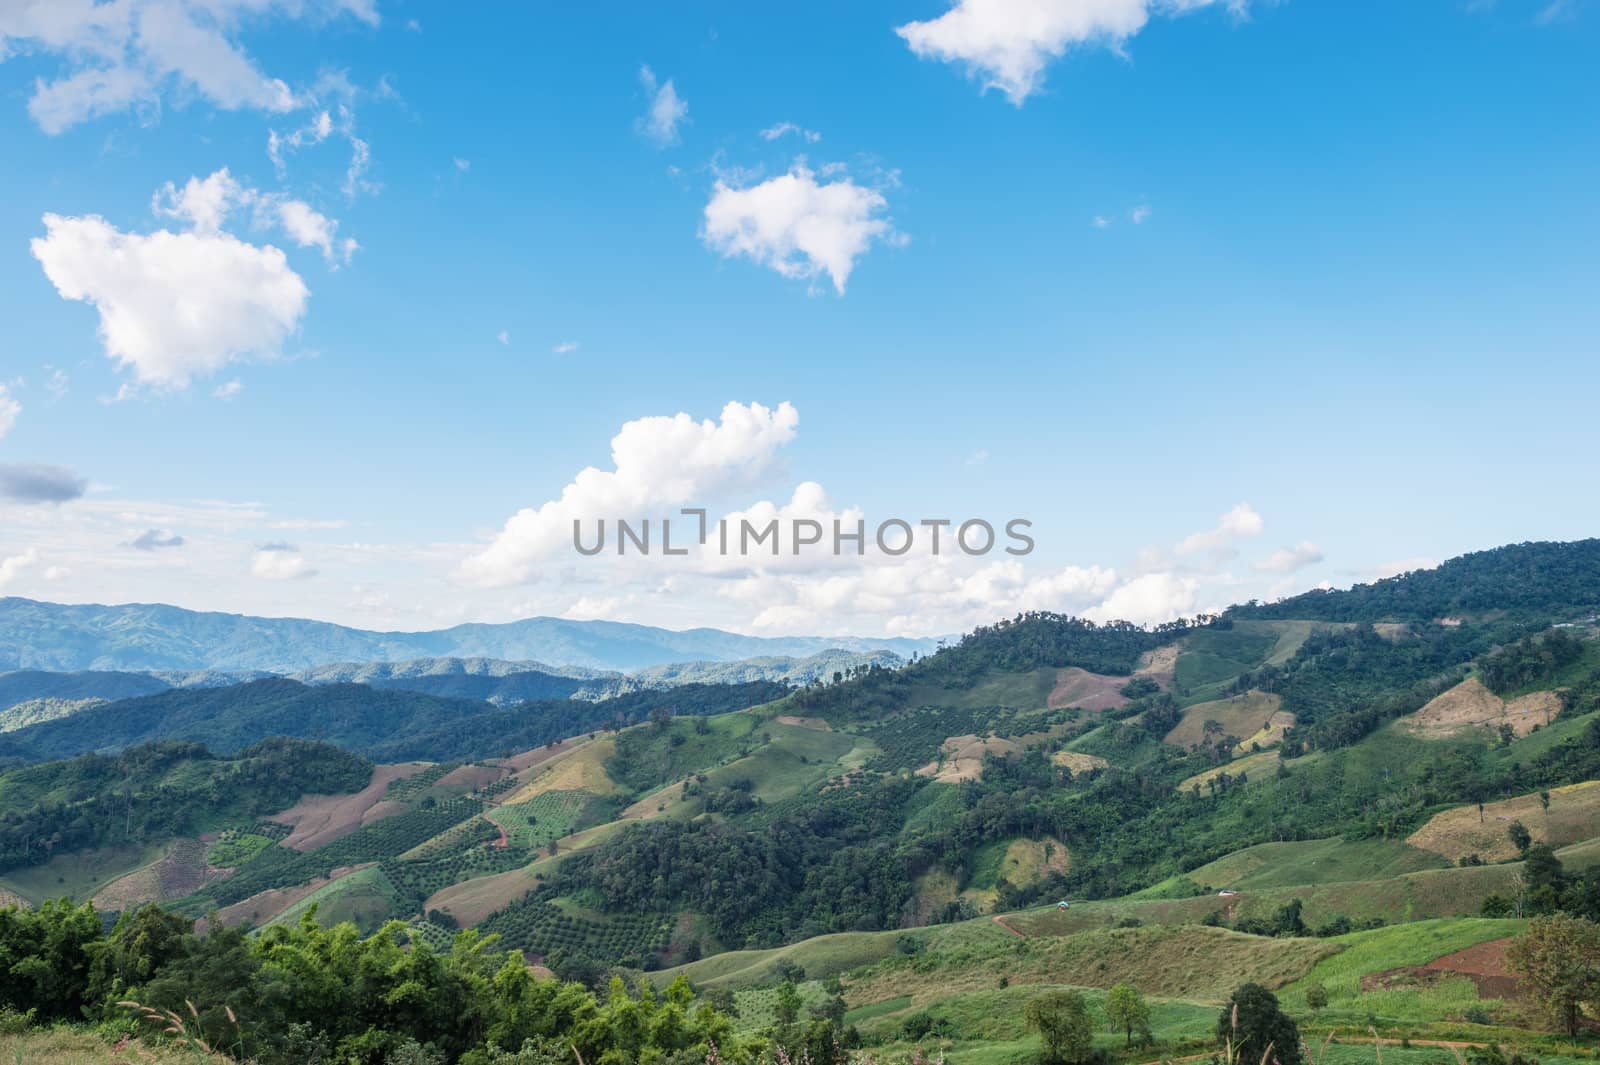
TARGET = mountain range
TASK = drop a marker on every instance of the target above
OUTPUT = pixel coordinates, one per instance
(147, 636)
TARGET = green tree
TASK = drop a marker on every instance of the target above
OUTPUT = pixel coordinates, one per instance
(1317, 997)
(1559, 958)
(1062, 1020)
(1127, 1011)
(788, 1003)
(1521, 838)
(1257, 1028)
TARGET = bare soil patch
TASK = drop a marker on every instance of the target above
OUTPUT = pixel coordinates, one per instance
(1088, 691)
(1484, 965)
(319, 819)
(263, 906)
(1078, 762)
(963, 758)
(804, 722)
(181, 871)
(1573, 816)
(471, 777)
(539, 755)
(1470, 706)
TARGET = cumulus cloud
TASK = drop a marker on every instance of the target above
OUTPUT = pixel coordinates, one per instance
(666, 111)
(1008, 43)
(9, 410)
(798, 226)
(656, 462)
(1239, 523)
(154, 540)
(128, 54)
(1290, 559)
(566, 347)
(179, 305)
(280, 562)
(13, 566)
(1151, 599)
(31, 482)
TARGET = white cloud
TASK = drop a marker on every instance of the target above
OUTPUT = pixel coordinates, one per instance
(310, 228)
(772, 133)
(1151, 599)
(13, 566)
(656, 462)
(179, 305)
(1100, 221)
(127, 54)
(228, 389)
(1139, 214)
(796, 225)
(666, 111)
(504, 336)
(1239, 523)
(173, 305)
(280, 562)
(9, 409)
(1008, 43)
(566, 347)
(57, 382)
(1290, 559)
(463, 165)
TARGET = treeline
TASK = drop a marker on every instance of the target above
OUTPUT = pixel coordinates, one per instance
(1529, 661)
(1026, 642)
(494, 733)
(1545, 579)
(160, 790)
(304, 994)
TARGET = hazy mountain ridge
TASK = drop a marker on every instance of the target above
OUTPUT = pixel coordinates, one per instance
(149, 637)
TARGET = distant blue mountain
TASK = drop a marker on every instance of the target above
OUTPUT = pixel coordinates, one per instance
(139, 636)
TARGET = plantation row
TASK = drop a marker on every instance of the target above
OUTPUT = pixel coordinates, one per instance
(540, 927)
(277, 866)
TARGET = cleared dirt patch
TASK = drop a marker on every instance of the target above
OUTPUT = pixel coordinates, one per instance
(804, 722)
(1239, 716)
(583, 770)
(1078, 762)
(319, 819)
(963, 758)
(539, 755)
(181, 871)
(1484, 965)
(1089, 691)
(470, 777)
(11, 898)
(1573, 816)
(1159, 665)
(265, 905)
(1470, 707)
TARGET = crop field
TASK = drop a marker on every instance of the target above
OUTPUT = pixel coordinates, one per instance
(541, 927)
(1572, 815)
(1469, 708)
(582, 770)
(1276, 865)
(1364, 954)
(1239, 716)
(1257, 767)
(1014, 691)
(320, 819)
(550, 815)
(1211, 658)
(80, 874)
(365, 897)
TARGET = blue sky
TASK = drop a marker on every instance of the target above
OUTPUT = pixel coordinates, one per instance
(1330, 262)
